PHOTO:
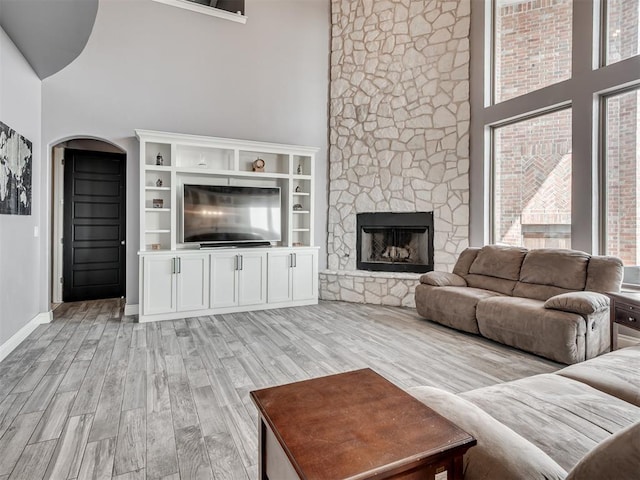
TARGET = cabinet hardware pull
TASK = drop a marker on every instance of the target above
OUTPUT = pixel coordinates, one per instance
(179, 261)
(295, 260)
(632, 319)
(240, 262)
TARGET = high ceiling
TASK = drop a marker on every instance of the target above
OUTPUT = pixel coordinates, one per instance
(49, 33)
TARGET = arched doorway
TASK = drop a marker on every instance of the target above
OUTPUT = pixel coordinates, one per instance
(88, 218)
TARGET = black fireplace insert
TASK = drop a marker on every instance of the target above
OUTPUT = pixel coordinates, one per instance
(395, 242)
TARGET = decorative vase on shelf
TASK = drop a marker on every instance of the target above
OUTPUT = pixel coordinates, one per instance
(159, 159)
(159, 182)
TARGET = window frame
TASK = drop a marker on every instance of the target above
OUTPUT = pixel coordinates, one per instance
(492, 193)
(583, 92)
(602, 164)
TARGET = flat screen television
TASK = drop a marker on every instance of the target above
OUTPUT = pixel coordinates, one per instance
(222, 215)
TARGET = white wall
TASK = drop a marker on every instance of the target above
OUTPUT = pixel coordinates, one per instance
(20, 262)
(152, 66)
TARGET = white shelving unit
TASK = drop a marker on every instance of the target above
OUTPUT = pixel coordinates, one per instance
(167, 162)
(199, 159)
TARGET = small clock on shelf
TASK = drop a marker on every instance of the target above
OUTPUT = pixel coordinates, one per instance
(258, 165)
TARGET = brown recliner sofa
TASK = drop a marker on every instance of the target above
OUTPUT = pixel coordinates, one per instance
(548, 302)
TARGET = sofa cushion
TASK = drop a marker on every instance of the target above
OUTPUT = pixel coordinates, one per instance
(616, 373)
(491, 283)
(616, 457)
(604, 274)
(584, 303)
(500, 452)
(451, 306)
(498, 261)
(538, 292)
(559, 268)
(525, 324)
(443, 279)
(465, 260)
(563, 417)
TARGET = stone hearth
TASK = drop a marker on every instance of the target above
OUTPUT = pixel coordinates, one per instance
(399, 133)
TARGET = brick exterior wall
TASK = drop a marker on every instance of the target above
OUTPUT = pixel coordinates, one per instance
(533, 43)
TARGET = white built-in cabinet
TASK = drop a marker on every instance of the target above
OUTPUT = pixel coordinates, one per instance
(242, 278)
(204, 282)
(177, 280)
(175, 283)
(292, 276)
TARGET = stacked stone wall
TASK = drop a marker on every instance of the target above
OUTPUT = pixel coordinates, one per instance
(399, 120)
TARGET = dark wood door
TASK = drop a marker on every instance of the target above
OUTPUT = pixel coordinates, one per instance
(94, 225)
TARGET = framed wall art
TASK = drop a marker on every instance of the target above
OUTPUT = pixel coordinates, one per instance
(15, 172)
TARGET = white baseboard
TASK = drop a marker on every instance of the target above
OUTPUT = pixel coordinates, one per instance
(10, 345)
(131, 309)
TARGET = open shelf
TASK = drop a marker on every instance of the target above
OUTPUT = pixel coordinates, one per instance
(194, 159)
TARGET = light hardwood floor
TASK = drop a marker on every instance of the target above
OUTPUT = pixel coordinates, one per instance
(94, 395)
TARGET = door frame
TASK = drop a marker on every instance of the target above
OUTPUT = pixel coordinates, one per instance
(56, 152)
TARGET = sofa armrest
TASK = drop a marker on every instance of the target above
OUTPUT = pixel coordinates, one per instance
(582, 303)
(500, 452)
(443, 279)
(617, 457)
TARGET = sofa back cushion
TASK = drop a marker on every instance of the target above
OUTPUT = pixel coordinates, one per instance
(548, 272)
(465, 260)
(494, 284)
(495, 268)
(604, 274)
(538, 274)
(499, 261)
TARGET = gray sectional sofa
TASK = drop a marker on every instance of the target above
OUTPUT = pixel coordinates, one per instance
(548, 302)
(580, 423)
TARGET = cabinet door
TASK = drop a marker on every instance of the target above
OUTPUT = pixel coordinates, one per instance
(252, 278)
(193, 282)
(305, 275)
(159, 284)
(278, 277)
(223, 280)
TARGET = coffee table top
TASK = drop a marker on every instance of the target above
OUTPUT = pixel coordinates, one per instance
(355, 423)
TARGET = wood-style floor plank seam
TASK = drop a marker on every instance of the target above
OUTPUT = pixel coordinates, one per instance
(96, 395)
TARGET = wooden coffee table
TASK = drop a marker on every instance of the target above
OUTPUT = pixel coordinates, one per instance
(354, 425)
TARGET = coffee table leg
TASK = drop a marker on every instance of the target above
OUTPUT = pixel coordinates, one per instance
(262, 444)
(458, 466)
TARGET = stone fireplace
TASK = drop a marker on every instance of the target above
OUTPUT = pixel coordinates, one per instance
(395, 242)
(399, 142)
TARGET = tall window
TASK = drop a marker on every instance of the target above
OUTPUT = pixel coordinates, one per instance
(621, 35)
(532, 45)
(555, 140)
(532, 182)
(622, 180)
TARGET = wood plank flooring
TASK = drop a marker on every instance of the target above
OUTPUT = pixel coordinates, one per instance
(94, 395)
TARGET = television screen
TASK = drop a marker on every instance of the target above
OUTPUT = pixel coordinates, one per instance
(225, 214)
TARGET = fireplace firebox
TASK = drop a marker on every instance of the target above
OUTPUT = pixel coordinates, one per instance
(395, 242)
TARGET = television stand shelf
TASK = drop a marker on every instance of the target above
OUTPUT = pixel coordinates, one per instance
(168, 161)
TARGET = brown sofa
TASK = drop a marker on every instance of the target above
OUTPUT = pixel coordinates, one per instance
(580, 423)
(547, 302)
